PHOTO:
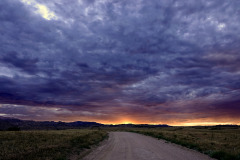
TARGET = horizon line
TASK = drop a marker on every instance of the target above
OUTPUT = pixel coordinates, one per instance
(128, 123)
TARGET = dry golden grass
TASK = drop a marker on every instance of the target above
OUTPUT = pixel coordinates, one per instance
(218, 142)
(47, 145)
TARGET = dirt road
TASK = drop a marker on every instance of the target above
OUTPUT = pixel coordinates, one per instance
(132, 146)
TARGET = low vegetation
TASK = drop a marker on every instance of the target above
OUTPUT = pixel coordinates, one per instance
(222, 143)
(48, 145)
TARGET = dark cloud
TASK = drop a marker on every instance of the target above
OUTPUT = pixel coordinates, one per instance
(26, 64)
(110, 57)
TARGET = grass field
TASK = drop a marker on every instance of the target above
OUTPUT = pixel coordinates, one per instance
(47, 145)
(218, 142)
(222, 143)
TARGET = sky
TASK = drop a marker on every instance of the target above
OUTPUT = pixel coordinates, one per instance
(173, 62)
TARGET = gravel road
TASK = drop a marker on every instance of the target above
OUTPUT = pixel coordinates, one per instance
(132, 146)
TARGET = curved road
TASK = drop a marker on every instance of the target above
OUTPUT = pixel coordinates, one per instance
(132, 146)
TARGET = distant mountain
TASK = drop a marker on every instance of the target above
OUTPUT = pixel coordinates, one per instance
(16, 124)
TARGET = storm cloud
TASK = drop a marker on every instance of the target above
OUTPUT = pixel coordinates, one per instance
(110, 60)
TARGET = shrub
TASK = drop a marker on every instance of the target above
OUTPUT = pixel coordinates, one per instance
(221, 155)
(15, 128)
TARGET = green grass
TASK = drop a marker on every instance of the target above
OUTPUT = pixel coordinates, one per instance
(220, 143)
(47, 145)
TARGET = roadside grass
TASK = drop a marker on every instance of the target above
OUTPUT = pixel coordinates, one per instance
(47, 145)
(220, 143)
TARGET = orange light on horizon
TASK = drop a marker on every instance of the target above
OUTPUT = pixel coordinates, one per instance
(196, 123)
(207, 124)
(172, 122)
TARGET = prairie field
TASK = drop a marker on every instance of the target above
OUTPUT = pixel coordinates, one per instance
(48, 145)
(222, 143)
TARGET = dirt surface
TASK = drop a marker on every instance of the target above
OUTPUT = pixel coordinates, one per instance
(132, 146)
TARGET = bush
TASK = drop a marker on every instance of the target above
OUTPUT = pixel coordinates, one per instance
(221, 155)
(15, 128)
